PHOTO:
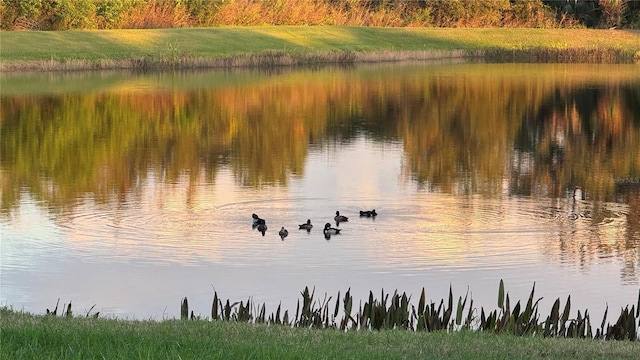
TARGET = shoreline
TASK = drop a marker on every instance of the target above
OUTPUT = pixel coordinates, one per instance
(260, 60)
(282, 59)
(272, 46)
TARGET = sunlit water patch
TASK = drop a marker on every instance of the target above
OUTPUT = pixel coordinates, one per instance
(160, 206)
(164, 244)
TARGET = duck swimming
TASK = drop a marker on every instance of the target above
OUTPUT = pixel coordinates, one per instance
(306, 226)
(283, 233)
(328, 230)
(368, 213)
(257, 221)
(262, 228)
(340, 218)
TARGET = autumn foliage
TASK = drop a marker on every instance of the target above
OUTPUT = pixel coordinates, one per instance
(145, 14)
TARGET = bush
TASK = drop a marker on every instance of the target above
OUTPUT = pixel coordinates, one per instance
(203, 12)
(72, 14)
(525, 13)
(156, 14)
(612, 13)
(20, 14)
(109, 14)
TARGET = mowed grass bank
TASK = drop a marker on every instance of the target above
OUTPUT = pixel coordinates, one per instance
(48, 337)
(284, 45)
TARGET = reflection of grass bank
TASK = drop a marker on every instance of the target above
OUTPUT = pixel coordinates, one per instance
(289, 45)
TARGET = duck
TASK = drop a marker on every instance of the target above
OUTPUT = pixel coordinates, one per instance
(340, 218)
(328, 230)
(257, 220)
(368, 213)
(262, 228)
(283, 233)
(306, 226)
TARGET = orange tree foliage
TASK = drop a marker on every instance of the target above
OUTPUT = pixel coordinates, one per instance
(108, 14)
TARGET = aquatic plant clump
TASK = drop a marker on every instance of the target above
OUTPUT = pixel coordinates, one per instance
(397, 312)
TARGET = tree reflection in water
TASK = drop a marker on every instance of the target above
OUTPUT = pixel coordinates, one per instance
(498, 131)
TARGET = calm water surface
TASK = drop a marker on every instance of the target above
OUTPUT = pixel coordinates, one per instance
(132, 191)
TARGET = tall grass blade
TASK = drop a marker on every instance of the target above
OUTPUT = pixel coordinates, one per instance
(404, 311)
(551, 325)
(604, 319)
(55, 311)
(450, 298)
(461, 307)
(184, 309)
(89, 311)
(68, 313)
(261, 317)
(565, 315)
(214, 306)
(469, 319)
(422, 302)
(501, 294)
(459, 311)
(529, 307)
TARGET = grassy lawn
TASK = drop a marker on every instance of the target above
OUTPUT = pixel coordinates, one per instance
(230, 41)
(47, 337)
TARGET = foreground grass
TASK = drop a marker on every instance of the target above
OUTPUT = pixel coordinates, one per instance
(21, 47)
(47, 337)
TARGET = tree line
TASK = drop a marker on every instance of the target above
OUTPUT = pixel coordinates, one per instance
(140, 14)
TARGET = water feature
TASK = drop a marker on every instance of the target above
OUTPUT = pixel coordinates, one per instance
(132, 190)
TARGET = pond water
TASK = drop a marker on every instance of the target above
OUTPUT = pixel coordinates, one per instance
(130, 191)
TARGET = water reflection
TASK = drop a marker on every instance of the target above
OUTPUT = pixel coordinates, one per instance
(472, 167)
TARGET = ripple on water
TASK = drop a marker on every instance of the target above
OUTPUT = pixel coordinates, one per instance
(418, 236)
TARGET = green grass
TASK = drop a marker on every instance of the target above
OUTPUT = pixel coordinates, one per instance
(30, 336)
(21, 46)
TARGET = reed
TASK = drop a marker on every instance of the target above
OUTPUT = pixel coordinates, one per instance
(277, 59)
(568, 55)
(263, 60)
